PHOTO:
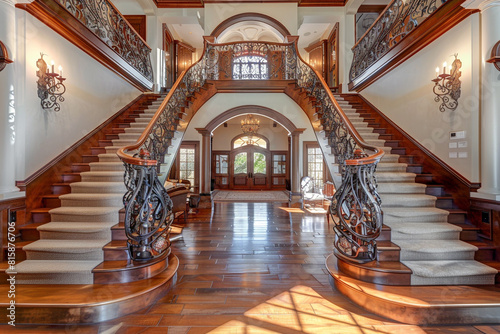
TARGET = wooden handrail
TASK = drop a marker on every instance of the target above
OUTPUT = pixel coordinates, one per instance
(352, 130)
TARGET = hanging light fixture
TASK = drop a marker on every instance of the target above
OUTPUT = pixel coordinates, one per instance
(447, 86)
(250, 126)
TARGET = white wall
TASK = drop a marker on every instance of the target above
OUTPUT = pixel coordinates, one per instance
(405, 95)
(93, 94)
(222, 102)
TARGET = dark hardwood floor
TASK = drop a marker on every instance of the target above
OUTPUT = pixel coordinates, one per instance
(253, 268)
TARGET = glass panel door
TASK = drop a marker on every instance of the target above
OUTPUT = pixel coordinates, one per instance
(259, 173)
(240, 169)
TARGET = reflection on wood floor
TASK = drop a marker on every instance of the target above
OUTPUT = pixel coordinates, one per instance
(253, 268)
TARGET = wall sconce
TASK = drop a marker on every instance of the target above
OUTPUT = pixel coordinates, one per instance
(50, 85)
(495, 56)
(4, 56)
(447, 86)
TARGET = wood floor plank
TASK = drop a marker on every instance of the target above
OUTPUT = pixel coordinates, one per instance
(255, 268)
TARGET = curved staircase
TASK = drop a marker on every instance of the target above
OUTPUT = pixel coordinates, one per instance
(74, 242)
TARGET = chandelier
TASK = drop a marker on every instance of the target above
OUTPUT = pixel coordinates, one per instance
(250, 125)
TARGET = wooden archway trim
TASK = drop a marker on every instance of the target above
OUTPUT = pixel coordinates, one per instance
(251, 109)
(250, 17)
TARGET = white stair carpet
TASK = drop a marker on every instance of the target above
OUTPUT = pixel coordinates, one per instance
(430, 246)
(71, 245)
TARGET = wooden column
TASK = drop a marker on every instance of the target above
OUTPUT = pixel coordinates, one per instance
(295, 168)
(206, 152)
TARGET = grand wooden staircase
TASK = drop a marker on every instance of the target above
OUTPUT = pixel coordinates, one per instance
(402, 243)
(74, 252)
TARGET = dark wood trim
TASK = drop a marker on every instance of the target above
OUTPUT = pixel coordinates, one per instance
(38, 184)
(138, 22)
(251, 109)
(315, 45)
(371, 8)
(322, 3)
(7, 207)
(454, 183)
(62, 22)
(250, 17)
(179, 3)
(333, 66)
(444, 19)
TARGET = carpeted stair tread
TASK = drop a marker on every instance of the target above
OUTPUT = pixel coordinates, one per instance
(384, 166)
(106, 166)
(389, 158)
(395, 176)
(84, 211)
(84, 227)
(53, 249)
(48, 266)
(95, 187)
(414, 231)
(75, 230)
(109, 157)
(55, 272)
(459, 272)
(84, 214)
(102, 176)
(92, 199)
(410, 200)
(414, 214)
(401, 188)
(435, 250)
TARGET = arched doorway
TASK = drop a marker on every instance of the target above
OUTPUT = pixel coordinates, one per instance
(249, 163)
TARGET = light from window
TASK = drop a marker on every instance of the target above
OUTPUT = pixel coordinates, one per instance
(315, 166)
(186, 164)
(250, 68)
(245, 140)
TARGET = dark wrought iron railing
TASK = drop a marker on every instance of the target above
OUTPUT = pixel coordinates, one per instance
(106, 22)
(356, 207)
(398, 19)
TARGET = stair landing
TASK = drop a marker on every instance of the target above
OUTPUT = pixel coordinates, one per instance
(421, 305)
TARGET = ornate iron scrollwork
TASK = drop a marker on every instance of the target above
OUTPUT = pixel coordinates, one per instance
(50, 86)
(148, 212)
(447, 87)
(102, 18)
(398, 19)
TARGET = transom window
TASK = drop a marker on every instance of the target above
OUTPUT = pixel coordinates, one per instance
(250, 68)
(247, 140)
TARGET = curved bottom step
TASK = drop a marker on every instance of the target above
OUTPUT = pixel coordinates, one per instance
(421, 305)
(85, 304)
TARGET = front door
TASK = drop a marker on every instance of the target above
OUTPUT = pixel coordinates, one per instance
(249, 168)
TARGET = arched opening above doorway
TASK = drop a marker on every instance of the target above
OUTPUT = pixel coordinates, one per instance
(250, 27)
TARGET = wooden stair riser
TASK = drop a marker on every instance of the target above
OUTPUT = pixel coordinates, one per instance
(80, 167)
(51, 201)
(137, 273)
(71, 177)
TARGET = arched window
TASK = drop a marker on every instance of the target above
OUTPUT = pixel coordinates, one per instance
(255, 140)
(250, 68)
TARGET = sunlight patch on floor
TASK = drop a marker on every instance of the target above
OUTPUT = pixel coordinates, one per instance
(303, 310)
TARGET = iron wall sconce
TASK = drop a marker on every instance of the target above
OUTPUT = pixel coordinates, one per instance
(50, 85)
(447, 85)
(4, 56)
(495, 56)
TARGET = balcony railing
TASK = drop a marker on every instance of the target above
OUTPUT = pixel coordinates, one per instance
(356, 206)
(106, 22)
(398, 19)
